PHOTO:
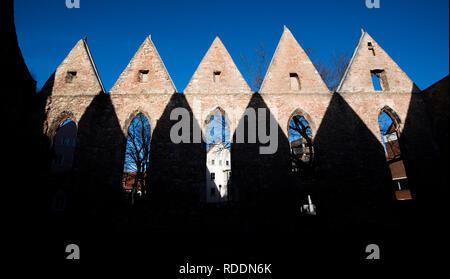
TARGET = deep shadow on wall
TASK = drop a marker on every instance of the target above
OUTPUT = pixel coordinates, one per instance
(98, 161)
(261, 183)
(176, 177)
(425, 141)
(353, 180)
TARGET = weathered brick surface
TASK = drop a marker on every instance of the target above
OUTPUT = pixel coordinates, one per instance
(358, 78)
(145, 59)
(217, 59)
(290, 58)
(86, 81)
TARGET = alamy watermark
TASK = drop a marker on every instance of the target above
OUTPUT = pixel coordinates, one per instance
(261, 126)
(373, 251)
(370, 4)
(73, 251)
(70, 4)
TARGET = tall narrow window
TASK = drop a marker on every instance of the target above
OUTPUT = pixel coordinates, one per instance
(376, 82)
(295, 81)
(370, 47)
(143, 75)
(394, 158)
(62, 148)
(218, 147)
(302, 151)
(70, 77)
(137, 155)
(216, 76)
(379, 80)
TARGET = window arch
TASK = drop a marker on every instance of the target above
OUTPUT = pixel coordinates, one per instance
(64, 142)
(301, 143)
(132, 117)
(56, 123)
(389, 124)
(137, 155)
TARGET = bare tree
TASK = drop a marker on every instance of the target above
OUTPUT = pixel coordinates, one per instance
(336, 69)
(137, 152)
(258, 68)
(331, 71)
(302, 153)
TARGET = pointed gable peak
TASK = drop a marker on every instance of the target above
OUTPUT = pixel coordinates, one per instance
(291, 70)
(145, 73)
(217, 42)
(285, 29)
(371, 69)
(76, 75)
(217, 73)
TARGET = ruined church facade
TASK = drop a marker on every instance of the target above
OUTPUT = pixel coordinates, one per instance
(351, 184)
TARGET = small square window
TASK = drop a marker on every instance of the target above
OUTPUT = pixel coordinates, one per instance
(216, 76)
(143, 75)
(295, 81)
(227, 163)
(213, 192)
(70, 77)
(212, 162)
(213, 176)
(370, 47)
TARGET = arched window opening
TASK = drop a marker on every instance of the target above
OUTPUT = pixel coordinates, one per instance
(64, 144)
(137, 154)
(390, 139)
(218, 158)
(302, 150)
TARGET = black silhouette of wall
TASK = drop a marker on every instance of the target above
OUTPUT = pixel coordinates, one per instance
(353, 177)
(261, 181)
(426, 161)
(436, 100)
(176, 176)
(100, 140)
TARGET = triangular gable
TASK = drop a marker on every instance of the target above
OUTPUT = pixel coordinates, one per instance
(370, 59)
(76, 75)
(217, 73)
(145, 73)
(291, 70)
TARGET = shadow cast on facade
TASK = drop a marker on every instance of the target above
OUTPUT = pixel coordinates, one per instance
(261, 181)
(426, 168)
(352, 173)
(176, 176)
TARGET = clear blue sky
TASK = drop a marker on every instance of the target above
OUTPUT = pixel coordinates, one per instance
(415, 33)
